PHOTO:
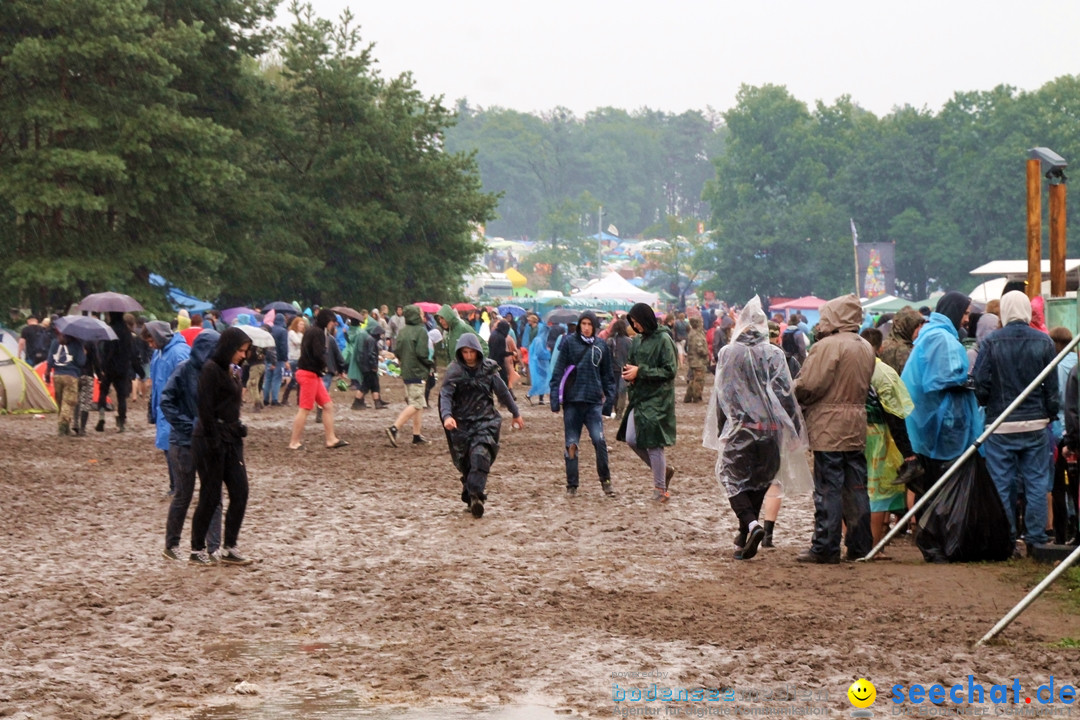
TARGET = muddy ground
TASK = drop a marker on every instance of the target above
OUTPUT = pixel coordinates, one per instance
(374, 587)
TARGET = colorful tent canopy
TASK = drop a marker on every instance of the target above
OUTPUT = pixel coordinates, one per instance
(516, 278)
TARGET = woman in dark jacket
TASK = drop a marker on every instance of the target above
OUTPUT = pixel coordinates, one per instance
(218, 447)
(649, 424)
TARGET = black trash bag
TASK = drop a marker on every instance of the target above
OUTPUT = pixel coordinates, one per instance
(966, 521)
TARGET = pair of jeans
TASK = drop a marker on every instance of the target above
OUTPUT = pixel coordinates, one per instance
(1020, 462)
(272, 383)
(575, 415)
(182, 472)
(217, 466)
(840, 497)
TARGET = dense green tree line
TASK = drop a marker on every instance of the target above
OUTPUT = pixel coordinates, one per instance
(640, 166)
(779, 181)
(948, 188)
(191, 139)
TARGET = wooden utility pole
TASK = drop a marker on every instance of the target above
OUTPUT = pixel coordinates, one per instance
(1057, 239)
(1034, 228)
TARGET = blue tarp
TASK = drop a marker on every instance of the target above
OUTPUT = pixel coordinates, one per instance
(179, 298)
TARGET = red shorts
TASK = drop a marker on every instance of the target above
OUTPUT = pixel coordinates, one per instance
(312, 391)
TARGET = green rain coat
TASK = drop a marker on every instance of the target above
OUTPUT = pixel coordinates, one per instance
(652, 394)
(457, 328)
(411, 347)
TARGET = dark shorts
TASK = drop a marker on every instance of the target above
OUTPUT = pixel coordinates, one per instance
(370, 382)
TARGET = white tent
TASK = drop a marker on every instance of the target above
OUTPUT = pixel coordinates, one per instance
(616, 287)
(21, 390)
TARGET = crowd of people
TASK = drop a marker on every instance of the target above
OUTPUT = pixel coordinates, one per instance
(883, 405)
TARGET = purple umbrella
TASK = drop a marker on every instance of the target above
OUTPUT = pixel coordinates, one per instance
(229, 315)
(109, 302)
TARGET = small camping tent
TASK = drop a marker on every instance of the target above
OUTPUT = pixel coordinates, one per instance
(21, 390)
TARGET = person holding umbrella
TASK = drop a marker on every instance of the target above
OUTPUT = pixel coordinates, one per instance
(118, 360)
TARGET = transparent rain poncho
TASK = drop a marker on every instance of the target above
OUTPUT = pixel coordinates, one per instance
(761, 437)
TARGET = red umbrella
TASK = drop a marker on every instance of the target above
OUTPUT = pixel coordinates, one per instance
(464, 307)
(428, 307)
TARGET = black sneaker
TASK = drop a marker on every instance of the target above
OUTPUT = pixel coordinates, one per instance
(809, 556)
(231, 556)
(753, 539)
(358, 405)
(200, 557)
(608, 490)
(380, 404)
(391, 432)
(420, 440)
(571, 490)
(476, 506)
(172, 553)
(100, 427)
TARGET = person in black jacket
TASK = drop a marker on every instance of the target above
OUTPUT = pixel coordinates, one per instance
(470, 418)
(585, 397)
(118, 361)
(310, 369)
(218, 448)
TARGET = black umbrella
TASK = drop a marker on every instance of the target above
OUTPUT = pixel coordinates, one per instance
(84, 327)
(348, 312)
(281, 307)
(109, 302)
(562, 315)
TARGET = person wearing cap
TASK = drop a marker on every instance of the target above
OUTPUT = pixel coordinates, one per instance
(170, 349)
(649, 423)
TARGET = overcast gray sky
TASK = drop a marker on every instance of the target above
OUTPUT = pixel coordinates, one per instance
(675, 55)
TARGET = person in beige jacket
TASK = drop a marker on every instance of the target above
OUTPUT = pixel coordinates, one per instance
(832, 389)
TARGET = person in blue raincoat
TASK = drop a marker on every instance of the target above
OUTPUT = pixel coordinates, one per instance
(539, 365)
(169, 351)
(946, 419)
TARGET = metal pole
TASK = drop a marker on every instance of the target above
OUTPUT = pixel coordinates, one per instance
(1030, 597)
(974, 447)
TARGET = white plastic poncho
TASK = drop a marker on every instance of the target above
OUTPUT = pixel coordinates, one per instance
(753, 420)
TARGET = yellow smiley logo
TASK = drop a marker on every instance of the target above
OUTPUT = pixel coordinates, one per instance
(862, 693)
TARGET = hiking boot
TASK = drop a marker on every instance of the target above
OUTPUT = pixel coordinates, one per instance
(668, 474)
(476, 506)
(358, 405)
(173, 553)
(200, 557)
(380, 404)
(232, 556)
(100, 427)
(753, 539)
(571, 490)
(420, 440)
(606, 487)
(809, 556)
(660, 496)
(391, 432)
